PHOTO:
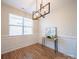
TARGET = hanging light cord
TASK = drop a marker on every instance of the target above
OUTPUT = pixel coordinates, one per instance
(36, 5)
(41, 4)
(41, 1)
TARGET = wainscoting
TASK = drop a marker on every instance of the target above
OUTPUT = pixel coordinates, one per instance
(66, 44)
(10, 43)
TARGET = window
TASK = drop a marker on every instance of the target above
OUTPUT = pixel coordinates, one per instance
(19, 25)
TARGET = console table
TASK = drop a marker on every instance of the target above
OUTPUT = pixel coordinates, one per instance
(55, 43)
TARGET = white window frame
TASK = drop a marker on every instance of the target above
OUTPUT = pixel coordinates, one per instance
(21, 26)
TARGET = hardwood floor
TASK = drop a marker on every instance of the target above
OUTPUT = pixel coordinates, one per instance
(35, 51)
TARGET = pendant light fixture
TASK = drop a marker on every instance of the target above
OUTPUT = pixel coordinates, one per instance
(44, 10)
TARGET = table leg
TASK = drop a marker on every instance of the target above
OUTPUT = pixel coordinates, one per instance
(56, 45)
(43, 42)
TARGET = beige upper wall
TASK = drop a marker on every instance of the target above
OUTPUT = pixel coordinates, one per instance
(5, 11)
(63, 15)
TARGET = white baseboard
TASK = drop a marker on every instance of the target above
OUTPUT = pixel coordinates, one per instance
(66, 45)
(12, 43)
(9, 50)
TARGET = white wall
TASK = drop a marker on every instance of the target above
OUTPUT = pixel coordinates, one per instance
(10, 43)
(63, 16)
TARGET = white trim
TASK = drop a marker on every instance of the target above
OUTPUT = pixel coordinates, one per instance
(67, 37)
(9, 50)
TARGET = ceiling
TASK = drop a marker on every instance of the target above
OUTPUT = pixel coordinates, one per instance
(24, 5)
(28, 5)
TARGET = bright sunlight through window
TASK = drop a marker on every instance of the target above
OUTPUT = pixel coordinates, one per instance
(19, 25)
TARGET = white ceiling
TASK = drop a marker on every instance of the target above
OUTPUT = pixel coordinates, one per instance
(28, 5)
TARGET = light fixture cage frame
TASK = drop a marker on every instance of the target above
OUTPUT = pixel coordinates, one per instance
(39, 12)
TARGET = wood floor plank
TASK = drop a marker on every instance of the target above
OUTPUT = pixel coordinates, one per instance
(36, 51)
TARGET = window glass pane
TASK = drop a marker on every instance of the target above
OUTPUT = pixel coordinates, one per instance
(28, 22)
(19, 24)
(15, 20)
(27, 30)
(15, 30)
